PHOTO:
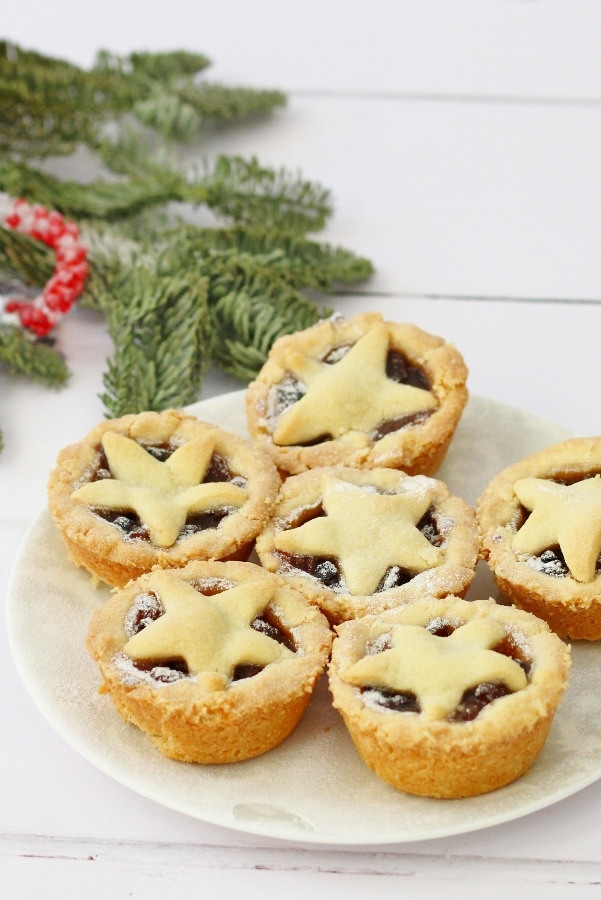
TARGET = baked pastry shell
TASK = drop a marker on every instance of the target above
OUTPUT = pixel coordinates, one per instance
(201, 721)
(101, 548)
(452, 759)
(571, 608)
(456, 518)
(417, 449)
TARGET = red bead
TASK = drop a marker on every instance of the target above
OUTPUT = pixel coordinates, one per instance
(56, 229)
(71, 254)
(35, 319)
(14, 306)
(72, 229)
(58, 301)
(54, 297)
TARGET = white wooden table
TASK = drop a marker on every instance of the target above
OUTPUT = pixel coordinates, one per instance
(462, 144)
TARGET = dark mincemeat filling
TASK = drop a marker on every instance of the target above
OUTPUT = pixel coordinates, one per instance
(551, 560)
(473, 701)
(398, 369)
(147, 608)
(130, 523)
(327, 569)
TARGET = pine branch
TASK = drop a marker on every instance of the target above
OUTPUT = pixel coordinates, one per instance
(162, 336)
(303, 263)
(100, 199)
(46, 105)
(153, 66)
(35, 359)
(226, 105)
(31, 259)
(235, 187)
(250, 308)
(252, 194)
(182, 112)
(252, 296)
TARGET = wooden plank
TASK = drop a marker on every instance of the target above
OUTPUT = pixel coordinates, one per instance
(500, 48)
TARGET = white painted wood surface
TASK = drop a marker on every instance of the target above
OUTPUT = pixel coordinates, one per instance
(461, 141)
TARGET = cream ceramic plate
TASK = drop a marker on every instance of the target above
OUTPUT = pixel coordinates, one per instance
(313, 787)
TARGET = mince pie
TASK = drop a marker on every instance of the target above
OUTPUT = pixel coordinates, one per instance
(540, 522)
(448, 698)
(215, 661)
(359, 392)
(359, 541)
(159, 489)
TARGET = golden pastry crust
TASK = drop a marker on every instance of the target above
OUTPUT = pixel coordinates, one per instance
(355, 397)
(370, 528)
(205, 716)
(551, 483)
(426, 753)
(159, 488)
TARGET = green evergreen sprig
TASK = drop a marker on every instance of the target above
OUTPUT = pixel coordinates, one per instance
(254, 281)
(250, 309)
(151, 67)
(233, 187)
(302, 262)
(181, 114)
(162, 335)
(47, 105)
(22, 255)
(250, 193)
(101, 199)
(37, 360)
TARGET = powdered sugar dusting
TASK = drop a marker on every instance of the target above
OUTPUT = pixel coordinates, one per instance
(379, 644)
(281, 397)
(548, 564)
(146, 608)
(372, 699)
(157, 677)
(299, 514)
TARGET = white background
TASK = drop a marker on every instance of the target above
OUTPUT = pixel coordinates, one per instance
(461, 141)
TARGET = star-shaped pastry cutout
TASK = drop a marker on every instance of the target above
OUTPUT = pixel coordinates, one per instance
(211, 633)
(438, 670)
(367, 532)
(568, 515)
(353, 394)
(161, 493)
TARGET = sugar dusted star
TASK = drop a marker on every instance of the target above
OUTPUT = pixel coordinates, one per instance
(564, 515)
(211, 633)
(367, 532)
(161, 493)
(438, 670)
(353, 394)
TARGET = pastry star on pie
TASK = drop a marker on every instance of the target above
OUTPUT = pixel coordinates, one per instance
(161, 493)
(568, 515)
(438, 670)
(367, 531)
(211, 633)
(353, 394)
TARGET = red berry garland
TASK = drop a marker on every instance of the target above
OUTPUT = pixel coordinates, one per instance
(62, 290)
